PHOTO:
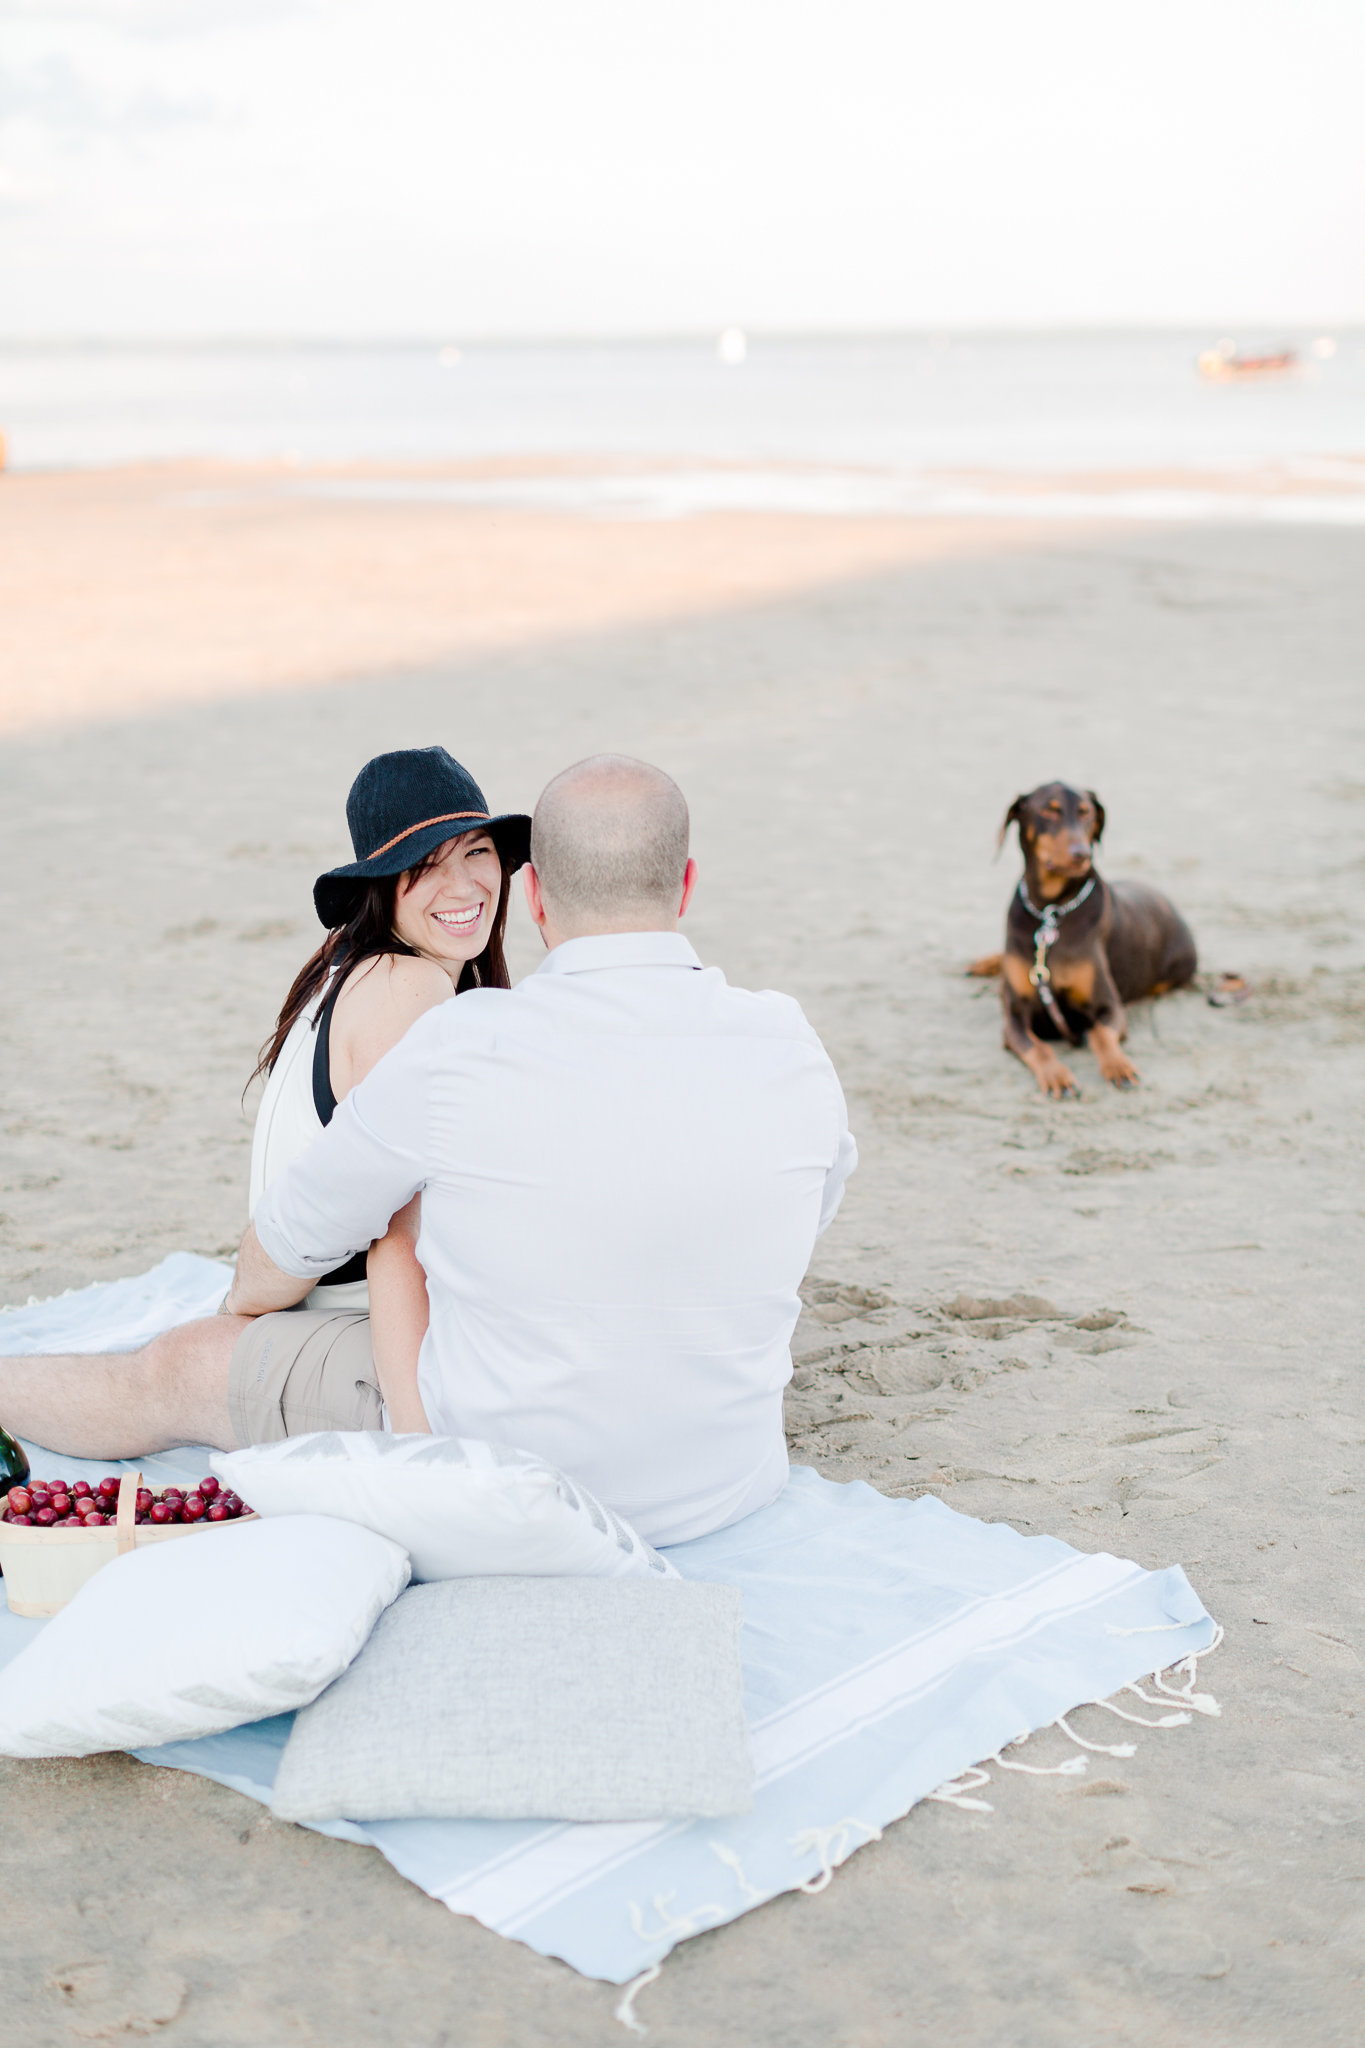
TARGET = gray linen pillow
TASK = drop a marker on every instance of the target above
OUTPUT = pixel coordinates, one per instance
(531, 1699)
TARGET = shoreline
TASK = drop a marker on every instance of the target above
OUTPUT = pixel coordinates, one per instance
(195, 582)
(199, 582)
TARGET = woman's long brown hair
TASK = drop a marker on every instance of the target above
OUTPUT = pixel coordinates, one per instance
(368, 934)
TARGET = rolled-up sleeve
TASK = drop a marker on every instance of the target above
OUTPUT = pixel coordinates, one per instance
(340, 1195)
(844, 1161)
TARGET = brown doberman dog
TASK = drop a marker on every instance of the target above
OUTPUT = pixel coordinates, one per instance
(1078, 948)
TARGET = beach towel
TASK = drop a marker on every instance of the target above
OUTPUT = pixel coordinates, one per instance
(890, 1646)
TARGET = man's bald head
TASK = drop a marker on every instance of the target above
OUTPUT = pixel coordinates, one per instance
(609, 846)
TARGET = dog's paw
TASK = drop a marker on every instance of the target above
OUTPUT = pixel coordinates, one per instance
(1120, 1072)
(1057, 1082)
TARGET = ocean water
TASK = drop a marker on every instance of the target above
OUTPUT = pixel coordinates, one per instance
(879, 424)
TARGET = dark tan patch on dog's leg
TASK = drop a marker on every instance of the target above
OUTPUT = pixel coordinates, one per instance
(1016, 995)
(1112, 1061)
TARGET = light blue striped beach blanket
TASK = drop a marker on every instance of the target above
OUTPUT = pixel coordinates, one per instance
(889, 1646)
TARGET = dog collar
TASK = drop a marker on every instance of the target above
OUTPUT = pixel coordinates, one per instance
(1044, 934)
(1050, 912)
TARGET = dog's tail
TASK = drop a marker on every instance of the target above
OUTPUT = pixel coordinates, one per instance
(987, 967)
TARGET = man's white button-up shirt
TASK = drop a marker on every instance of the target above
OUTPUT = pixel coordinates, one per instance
(624, 1166)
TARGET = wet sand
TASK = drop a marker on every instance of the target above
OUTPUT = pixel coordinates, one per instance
(177, 583)
(850, 707)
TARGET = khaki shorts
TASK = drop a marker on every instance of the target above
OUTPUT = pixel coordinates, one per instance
(301, 1370)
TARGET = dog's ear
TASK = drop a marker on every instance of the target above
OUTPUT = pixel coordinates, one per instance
(1098, 832)
(1013, 816)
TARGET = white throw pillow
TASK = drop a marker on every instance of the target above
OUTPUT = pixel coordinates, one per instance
(462, 1509)
(190, 1638)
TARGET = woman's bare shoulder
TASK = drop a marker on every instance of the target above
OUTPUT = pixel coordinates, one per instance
(380, 1001)
(410, 979)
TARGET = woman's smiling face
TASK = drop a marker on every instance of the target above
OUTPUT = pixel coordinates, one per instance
(446, 911)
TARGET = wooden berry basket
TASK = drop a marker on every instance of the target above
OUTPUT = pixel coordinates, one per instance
(43, 1568)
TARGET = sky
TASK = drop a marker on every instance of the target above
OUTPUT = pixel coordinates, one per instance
(439, 168)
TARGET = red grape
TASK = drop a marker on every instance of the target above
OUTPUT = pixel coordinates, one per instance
(53, 1504)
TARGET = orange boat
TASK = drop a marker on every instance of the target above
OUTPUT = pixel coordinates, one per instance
(1223, 363)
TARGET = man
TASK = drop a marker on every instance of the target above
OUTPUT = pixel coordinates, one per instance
(624, 1165)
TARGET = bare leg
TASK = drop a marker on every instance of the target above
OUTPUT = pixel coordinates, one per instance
(127, 1404)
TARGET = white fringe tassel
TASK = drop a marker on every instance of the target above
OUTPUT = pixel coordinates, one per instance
(817, 1841)
(1070, 1767)
(1119, 1749)
(671, 1927)
(1201, 1702)
(733, 1864)
(625, 2011)
(1140, 1720)
(957, 1791)
(833, 1845)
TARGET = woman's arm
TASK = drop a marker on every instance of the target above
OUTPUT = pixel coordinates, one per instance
(373, 1011)
(398, 1317)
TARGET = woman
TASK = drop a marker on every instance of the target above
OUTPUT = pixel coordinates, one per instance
(418, 914)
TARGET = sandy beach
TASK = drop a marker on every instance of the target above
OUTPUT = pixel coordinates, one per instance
(1130, 1321)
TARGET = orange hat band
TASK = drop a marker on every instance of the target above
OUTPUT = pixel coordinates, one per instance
(447, 818)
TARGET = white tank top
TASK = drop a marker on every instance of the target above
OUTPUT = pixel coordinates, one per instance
(286, 1124)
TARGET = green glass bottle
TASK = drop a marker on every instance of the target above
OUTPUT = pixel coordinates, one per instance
(13, 1463)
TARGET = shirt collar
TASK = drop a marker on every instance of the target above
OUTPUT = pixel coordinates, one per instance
(620, 949)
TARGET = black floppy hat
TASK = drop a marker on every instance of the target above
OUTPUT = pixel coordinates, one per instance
(400, 807)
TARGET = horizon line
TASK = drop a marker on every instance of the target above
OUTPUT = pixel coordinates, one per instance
(932, 331)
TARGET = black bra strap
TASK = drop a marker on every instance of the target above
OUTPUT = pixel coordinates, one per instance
(325, 1102)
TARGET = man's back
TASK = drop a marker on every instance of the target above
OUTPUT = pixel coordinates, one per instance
(625, 1164)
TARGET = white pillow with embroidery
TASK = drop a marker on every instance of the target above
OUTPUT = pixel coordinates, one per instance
(460, 1508)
